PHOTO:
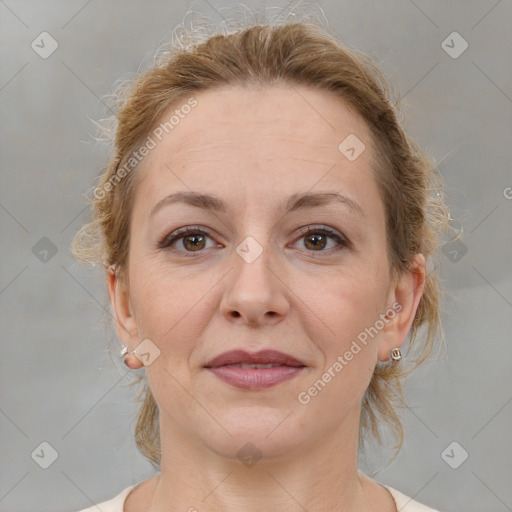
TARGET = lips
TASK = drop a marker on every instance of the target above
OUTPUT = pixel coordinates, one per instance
(264, 357)
(261, 370)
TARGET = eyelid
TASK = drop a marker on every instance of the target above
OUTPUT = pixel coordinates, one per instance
(165, 242)
(180, 233)
(338, 236)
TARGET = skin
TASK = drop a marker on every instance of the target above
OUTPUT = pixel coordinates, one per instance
(253, 148)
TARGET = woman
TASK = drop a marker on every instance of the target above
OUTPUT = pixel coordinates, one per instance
(266, 226)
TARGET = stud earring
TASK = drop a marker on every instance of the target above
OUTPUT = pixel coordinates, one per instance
(130, 359)
(396, 354)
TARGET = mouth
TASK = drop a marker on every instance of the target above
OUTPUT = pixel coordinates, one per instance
(258, 366)
(260, 370)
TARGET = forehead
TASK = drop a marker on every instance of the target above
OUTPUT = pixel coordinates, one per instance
(274, 137)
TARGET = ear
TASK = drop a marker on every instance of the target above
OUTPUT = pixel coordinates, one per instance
(404, 298)
(119, 293)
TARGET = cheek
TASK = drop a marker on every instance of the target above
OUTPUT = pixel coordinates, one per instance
(345, 301)
(171, 309)
(348, 308)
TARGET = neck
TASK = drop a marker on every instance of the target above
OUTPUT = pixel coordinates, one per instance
(320, 476)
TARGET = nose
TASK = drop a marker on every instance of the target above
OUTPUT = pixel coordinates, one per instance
(256, 293)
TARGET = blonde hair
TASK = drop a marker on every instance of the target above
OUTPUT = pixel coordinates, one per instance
(294, 54)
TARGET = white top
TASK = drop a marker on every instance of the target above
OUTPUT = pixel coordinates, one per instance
(403, 502)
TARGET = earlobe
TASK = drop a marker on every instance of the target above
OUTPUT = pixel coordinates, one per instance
(118, 291)
(404, 298)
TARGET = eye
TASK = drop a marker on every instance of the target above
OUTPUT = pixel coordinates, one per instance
(189, 239)
(192, 239)
(316, 239)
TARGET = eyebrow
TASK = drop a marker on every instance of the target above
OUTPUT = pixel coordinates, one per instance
(295, 202)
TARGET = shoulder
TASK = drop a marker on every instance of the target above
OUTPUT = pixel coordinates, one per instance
(113, 505)
(406, 504)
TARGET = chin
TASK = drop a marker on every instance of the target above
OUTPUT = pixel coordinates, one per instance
(257, 432)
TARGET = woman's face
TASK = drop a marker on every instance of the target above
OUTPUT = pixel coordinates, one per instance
(285, 250)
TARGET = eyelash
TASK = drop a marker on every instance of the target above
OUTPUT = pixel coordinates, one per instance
(168, 240)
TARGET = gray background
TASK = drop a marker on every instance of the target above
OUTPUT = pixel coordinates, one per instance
(58, 381)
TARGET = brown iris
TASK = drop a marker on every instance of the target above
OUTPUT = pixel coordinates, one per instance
(318, 241)
(194, 242)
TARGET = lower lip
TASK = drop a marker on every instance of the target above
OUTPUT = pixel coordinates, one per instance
(253, 378)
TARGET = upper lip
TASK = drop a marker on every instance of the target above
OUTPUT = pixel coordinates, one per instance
(261, 357)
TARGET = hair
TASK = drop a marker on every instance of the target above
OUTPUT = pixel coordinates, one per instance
(292, 54)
